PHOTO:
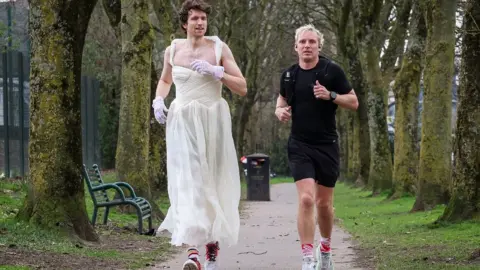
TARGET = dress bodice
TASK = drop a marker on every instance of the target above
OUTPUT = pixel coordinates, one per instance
(191, 85)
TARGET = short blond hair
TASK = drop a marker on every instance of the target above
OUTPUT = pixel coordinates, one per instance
(311, 28)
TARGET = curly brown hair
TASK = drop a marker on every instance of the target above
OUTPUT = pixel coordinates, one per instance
(189, 5)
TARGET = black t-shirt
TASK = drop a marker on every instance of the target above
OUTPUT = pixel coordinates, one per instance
(313, 120)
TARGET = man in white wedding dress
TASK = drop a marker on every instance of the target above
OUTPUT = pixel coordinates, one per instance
(202, 169)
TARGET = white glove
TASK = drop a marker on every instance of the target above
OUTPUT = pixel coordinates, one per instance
(205, 68)
(159, 110)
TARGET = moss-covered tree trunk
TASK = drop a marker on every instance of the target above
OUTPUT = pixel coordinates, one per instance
(352, 142)
(342, 123)
(436, 150)
(134, 119)
(158, 148)
(158, 154)
(113, 9)
(56, 193)
(165, 14)
(353, 148)
(396, 41)
(362, 129)
(363, 140)
(465, 200)
(349, 51)
(367, 25)
(239, 130)
(380, 175)
(406, 90)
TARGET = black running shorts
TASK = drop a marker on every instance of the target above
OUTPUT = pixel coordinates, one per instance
(320, 162)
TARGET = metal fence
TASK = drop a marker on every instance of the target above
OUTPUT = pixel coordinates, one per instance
(14, 115)
(91, 151)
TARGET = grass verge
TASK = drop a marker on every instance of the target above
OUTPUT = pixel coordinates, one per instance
(393, 238)
(25, 246)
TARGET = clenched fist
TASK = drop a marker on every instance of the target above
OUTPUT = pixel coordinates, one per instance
(320, 91)
(283, 113)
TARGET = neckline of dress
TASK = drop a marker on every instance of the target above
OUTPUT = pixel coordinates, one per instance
(215, 39)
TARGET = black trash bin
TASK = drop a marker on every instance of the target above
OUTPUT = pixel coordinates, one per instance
(258, 177)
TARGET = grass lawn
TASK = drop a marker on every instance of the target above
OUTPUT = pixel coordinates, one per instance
(396, 239)
(24, 246)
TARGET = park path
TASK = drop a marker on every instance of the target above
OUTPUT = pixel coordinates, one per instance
(269, 240)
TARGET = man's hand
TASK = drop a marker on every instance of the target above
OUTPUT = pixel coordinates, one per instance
(205, 68)
(320, 91)
(159, 110)
(283, 113)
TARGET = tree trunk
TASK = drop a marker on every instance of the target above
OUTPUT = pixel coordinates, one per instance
(436, 150)
(358, 83)
(158, 154)
(166, 16)
(353, 162)
(157, 162)
(134, 121)
(396, 41)
(56, 193)
(349, 50)
(113, 9)
(353, 148)
(364, 138)
(465, 201)
(356, 150)
(380, 175)
(242, 106)
(342, 123)
(406, 90)
(367, 26)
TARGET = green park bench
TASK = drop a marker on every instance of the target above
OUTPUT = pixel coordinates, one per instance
(98, 191)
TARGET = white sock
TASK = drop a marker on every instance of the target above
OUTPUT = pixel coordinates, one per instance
(325, 244)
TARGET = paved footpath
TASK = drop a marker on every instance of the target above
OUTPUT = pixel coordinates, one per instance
(269, 240)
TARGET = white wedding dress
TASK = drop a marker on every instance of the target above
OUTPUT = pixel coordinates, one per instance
(202, 169)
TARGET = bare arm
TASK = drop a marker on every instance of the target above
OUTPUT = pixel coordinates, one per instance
(232, 77)
(165, 82)
(347, 101)
(281, 102)
(282, 111)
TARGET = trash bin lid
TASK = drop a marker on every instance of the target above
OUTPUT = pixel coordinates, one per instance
(257, 155)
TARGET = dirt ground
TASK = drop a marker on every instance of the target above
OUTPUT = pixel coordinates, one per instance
(114, 240)
(47, 260)
(269, 239)
(120, 246)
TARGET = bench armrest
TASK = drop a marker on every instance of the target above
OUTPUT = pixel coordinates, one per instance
(108, 186)
(126, 185)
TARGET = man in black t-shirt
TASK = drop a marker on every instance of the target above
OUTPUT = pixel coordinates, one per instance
(310, 92)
